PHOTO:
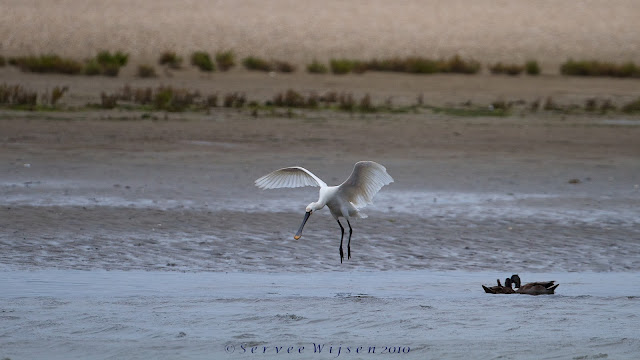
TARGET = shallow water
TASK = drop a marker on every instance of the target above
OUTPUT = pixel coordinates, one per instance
(58, 314)
(202, 271)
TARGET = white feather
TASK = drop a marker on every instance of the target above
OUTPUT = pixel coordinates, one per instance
(363, 184)
(289, 177)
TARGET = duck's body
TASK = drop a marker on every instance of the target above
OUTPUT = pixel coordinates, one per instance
(534, 288)
(499, 289)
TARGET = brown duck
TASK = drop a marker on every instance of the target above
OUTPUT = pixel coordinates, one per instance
(499, 289)
(534, 288)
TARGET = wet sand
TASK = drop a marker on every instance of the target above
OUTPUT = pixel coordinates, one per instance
(478, 193)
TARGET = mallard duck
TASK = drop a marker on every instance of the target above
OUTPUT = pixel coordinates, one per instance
(534, 288)
(499, 289)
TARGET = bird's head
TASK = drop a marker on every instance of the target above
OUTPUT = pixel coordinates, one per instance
(516, 280)
(508, 282)
(313, 207)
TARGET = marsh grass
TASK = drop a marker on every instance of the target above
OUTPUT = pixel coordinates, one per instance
(591, 105)
(20, 98)
(341, 66)
(92, 68)
(256, 63)
(469, 111)
(202, 60)
(146, 71)
(509, 69)
(49, 63)
(56, 94)
(283, 66)
(106, 58)
(106, 63)
(599, 68)
(163, 98)
(366, 105)
(17, 96)
(225, 60)
(551, 105)
(234, 100)
(346, 102)
(632, 106)
(289, 98)
(532, 67)
(317, 67)
(259, 64)
(211, 100)
(170, 59)
(412, 65)
(458, 65)
(108, 101)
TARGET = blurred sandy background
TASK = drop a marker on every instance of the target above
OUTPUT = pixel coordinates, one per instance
(299, 30)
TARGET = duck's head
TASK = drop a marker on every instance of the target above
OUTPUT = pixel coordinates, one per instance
(516, 280)
(507, 283)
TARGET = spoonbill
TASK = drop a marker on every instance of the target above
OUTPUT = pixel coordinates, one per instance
(344, 200)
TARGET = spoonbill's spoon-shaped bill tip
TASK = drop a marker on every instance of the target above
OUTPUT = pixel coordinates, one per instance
(304, 221)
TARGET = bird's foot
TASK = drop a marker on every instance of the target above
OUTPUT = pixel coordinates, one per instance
(341, 255)
(348, 251)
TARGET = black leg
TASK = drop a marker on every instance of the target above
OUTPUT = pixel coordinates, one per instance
(349, 243)
(341, 237)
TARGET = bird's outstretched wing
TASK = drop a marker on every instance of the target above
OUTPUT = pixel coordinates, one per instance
(365, 181)
(290, 177)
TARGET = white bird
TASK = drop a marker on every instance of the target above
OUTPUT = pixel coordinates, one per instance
(344, 200)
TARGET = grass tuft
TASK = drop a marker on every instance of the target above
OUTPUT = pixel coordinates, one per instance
(170, 59)
(289, 98)
(17, 96)
(283, 66)
(56, 94)
(234, 99)
(50, 63)
(92, 68)
(509, 69)
(203, 61)
(598, 68)
(632, 107)
(256, 63)
(341, 66)
(366, 105)
(174, 99)
(346, 102)
(105, 58)
(458, 65)
(317, 67)
(106, 63)
(146, 71)
(225, 60)
(532, 67)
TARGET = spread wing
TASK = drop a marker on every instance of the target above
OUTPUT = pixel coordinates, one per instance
(289, 177)
(365, 181)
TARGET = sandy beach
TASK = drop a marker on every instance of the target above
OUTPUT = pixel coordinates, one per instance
(133, 233)
(299, 31)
